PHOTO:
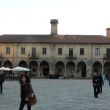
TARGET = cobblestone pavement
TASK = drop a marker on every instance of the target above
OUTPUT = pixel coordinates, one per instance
(57, 95)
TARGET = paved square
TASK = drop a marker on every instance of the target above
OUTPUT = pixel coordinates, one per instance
(57, 95)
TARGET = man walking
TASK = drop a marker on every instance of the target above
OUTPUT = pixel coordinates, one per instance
(101, 83)
(95, 81)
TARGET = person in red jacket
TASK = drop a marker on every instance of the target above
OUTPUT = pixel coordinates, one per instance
(95, 81)
(26, 91)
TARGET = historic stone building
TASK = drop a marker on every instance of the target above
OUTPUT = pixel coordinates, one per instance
(66, 55)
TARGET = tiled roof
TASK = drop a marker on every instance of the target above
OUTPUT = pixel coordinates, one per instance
(66, 39)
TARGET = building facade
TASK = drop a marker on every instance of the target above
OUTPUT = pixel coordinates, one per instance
(64, 55)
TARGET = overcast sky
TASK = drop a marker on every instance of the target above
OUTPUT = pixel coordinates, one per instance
(74, 16)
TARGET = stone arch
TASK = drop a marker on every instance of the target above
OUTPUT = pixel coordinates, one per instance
(70, 68)
(33, 65)
(81, 69)
(44, 68)
(59, 69)
(23, 64)
(97, 67)
(7, 63)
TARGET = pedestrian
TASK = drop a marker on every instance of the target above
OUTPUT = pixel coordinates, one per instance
(103, 76)
(109, 79)
(2, 79)
(26, 91)
(101, 82)
(95, 81)
(107, 76)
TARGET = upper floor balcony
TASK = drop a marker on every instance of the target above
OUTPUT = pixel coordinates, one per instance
(70, 56)
(33, 56)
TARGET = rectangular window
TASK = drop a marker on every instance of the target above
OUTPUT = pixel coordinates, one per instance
(22, 50)
(97, 51)
(44, 50)
(81, 51)
(59, 51)
(70, 52)
(33, 52)
(7, 50)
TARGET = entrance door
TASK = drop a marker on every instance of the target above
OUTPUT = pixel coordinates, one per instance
(83, 72)
(46, 71)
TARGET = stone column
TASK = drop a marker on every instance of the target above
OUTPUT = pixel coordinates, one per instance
(88, 71)
(102, 68)
(75, 72)
(51, 68)
(38, 75)
(65, 73)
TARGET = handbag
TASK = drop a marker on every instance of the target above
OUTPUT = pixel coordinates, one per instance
(32, 100)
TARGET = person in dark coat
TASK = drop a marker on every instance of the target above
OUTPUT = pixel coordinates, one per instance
(95, 81)
(101, 83)
(2, 79)
(26, 91)
(109, 79)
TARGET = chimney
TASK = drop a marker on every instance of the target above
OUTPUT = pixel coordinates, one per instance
(108, 32)
(54, 23)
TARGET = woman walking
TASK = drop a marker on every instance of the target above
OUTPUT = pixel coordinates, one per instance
(26, 92)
